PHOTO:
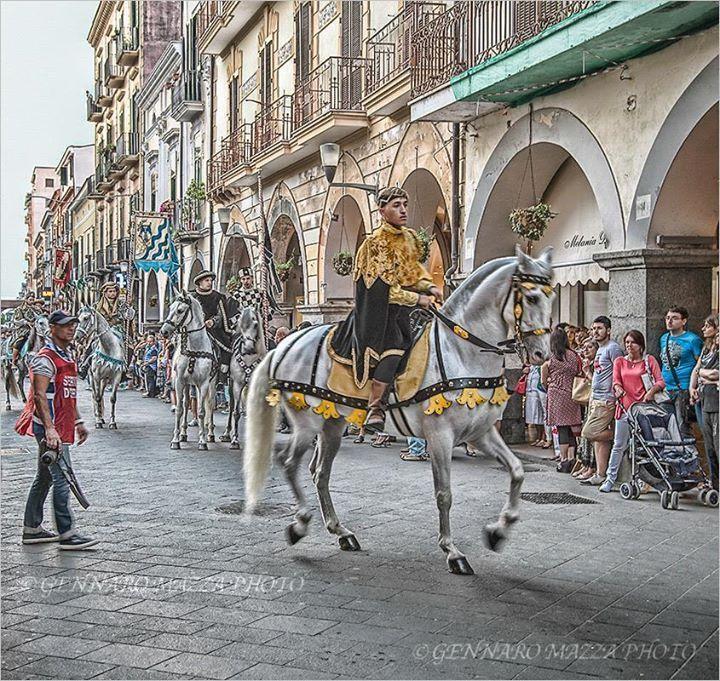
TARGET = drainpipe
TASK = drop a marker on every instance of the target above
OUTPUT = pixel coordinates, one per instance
(455, 206)
(211, 209)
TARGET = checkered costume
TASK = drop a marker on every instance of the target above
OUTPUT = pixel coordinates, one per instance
(248, 297)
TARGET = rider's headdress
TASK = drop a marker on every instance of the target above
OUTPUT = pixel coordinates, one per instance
(202, 275)
(388, 194)
(245, 272)
(109, 284)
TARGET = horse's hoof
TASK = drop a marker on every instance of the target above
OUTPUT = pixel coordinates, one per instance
(8, 407)
(234, 445)
(460, 566)
(224, 438)
(292, 535)
(113, 426)
(102, 421)
(211, 438)
(349, 543)
(99, 425)
(183, 438)
(494, 538)
(174, 445)
(202, 447)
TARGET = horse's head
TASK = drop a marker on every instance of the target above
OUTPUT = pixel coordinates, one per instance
(529, 309)
(42, 326)
(248, 329)
(178, 315)
(86, 321)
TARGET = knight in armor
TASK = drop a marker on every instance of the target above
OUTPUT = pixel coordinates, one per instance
(390, 281)
(218, 310)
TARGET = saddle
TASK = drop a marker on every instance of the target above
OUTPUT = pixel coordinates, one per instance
(407, 383)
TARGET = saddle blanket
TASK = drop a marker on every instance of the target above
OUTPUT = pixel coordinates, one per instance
(407, 383)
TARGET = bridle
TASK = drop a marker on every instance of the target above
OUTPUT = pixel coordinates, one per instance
(180, 326)
(516, 344)
(184, 332)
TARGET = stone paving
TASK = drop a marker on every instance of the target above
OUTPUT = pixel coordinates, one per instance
(179, 590)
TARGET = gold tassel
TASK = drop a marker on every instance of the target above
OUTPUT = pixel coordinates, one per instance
(273, 397)
(327, 410)
(437, 404)
(471, 397)
(297, 402)
(357, 417)
(500, 395)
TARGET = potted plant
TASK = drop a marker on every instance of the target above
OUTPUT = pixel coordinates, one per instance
(343, 263)
(167, 207)
(233, 284)
(530, 223)
(283, 269)
(425, 240)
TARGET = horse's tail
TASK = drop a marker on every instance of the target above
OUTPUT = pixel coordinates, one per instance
(12, 385)
(259, 433)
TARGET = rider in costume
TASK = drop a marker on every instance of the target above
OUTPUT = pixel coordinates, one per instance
(248, 295)
(390, 282)
(218, 310)
(23, 319)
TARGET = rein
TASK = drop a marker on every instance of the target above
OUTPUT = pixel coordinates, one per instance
(192, 355)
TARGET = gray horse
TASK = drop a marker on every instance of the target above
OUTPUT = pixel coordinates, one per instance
(107, 361)
(505, 304)
(39, 333)
(248, 348)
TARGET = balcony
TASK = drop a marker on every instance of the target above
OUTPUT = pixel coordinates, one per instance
(127, 149)
(114, 75)
(231, 165)
(219, 21)
(483, 55)
(103, 181)
(103, 96)
(127, 45)
(100, 267)
(94, 113)
(187, 97)
(123, 249)
(88, 266)
(111, 257)
(93, 192)
(389, 51)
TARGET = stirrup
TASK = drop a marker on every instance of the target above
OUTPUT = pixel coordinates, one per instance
(376, 426)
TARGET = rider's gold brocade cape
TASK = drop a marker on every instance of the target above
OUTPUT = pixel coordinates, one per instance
(393, 255)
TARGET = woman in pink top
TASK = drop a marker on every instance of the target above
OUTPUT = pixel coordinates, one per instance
(629, 388)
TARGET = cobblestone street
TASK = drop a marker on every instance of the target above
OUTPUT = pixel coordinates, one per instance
(179, 589)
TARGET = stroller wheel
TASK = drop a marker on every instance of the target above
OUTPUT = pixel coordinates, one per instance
(711, 498)
(665, 499)
(637, 489)
(626, 491)
(703, 496)
(674, 501)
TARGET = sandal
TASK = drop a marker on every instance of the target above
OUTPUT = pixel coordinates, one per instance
(545, 444)
(414, 457)
(380, 441)
(564, 466)
(359, 440)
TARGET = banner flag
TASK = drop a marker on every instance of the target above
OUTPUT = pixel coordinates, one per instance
(154, 247)
(61, 271)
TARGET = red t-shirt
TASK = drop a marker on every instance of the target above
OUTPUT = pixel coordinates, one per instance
(628, 375)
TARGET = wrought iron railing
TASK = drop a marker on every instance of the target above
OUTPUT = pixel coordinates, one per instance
(187, 88)
(127, 40)
(101, 92)
(208, 12)
(93, 111)
(99, 260)
(215, 171)
(111, 70)
(237, 147)
(272, 124)
(110, 254)
(126, 145)
(469, 33)
(389, 50)
(335, 85)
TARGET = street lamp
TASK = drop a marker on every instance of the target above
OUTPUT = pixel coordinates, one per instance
(329, 159)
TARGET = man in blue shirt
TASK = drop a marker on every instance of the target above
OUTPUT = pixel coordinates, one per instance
(150, 363)
(679, 352)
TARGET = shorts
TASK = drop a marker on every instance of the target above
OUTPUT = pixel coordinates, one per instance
(601, 415)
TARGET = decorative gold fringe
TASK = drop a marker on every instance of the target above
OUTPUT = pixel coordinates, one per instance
(273, 397)
(471, 397)
(297, 402)
(327, 410)
(357, 417)
(500, 395)
(437, 404)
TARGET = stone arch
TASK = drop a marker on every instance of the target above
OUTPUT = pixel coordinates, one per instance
(692, 106)
(557, 135)
(346, 231)
(195, 269)
(235, 251)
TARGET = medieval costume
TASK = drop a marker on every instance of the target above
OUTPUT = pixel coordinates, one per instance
(23, 319)
(221, 310)
(248, 296)
(389, 279)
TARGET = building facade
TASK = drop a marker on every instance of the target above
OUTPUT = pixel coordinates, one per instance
(43, 183)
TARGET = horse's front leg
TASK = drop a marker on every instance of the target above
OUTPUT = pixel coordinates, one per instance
(493, 444)
(320, 468)
(202, 402)
(113, 400)
(235, 404)
(440, 445)
(187, 402)
(210, 411)
(226, 436)
(97, 387)
(179, 409)
(289, 458)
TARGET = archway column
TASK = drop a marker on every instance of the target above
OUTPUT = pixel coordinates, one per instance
(644, 283)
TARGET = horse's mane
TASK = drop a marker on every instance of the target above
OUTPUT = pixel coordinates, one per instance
(458, 296)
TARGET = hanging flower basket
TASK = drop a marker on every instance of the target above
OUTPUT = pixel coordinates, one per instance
(531, 223)
(167, 207)
(343, 263)
(233, 284)
(425, 241)
(283, 269)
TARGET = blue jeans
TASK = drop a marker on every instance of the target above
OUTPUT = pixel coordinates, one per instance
(620, 443)
(46, 477)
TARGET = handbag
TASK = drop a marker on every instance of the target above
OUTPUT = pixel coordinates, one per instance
(581, 390)
(521, 386)
(649, 382)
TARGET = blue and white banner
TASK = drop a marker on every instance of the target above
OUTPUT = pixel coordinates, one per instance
(154, 247)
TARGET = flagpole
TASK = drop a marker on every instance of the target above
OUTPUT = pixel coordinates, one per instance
(263, 261)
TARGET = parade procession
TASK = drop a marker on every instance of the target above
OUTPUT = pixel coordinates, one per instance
(360, 339)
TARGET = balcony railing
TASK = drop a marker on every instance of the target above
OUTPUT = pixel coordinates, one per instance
(272, 124)
(112, 73)
(103, 96)
(209, 11)
(187, 96)
(127, 45)
(99, 261)
(237, 148)
(122, 249)
(390, 49)
(215, 170)
(335, 85)
(472, 32)
(126, 146)
(94, 112)
(110, 255)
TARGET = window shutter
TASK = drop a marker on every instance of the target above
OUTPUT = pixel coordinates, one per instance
(266, 83)
(351, 28)
(303, 41)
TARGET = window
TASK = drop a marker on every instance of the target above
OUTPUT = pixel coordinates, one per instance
(266, 74)
(351, 19)
(303, 41)
(173, 186)
(234, 103)
(49, 182)
(64, 176)
(153, 192)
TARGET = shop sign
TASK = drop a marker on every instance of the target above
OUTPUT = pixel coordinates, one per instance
(599, 240)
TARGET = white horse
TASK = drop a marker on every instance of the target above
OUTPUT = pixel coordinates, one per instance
(248, 348)
(194, 364)
(7, 371)
(504, 305)
(39, 333)
(107, 361)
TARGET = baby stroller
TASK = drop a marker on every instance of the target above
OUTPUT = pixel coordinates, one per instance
(660, 457)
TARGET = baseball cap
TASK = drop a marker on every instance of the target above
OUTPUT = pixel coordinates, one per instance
(61, 318)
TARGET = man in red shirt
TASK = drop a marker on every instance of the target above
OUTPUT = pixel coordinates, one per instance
(51, 415)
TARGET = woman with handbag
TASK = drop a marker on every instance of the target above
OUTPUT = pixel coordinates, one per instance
(636, 378)
(562, 412)
(535, 407)
(585, 450)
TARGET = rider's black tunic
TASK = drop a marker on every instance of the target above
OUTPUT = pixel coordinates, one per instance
(220, 309)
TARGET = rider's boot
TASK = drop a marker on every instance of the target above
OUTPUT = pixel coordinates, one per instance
(375, 420)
